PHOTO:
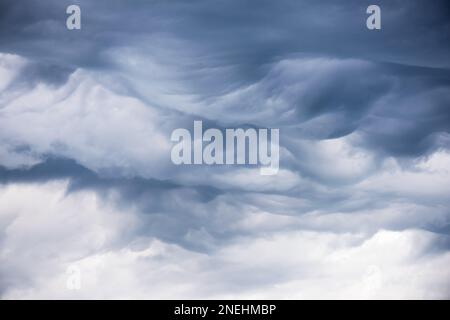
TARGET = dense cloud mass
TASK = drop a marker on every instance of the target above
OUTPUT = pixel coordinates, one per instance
(360, 207)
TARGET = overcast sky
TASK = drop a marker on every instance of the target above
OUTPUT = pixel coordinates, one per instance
(360, 207)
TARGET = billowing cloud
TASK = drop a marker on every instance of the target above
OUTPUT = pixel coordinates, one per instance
(359, 207)
(80, 229)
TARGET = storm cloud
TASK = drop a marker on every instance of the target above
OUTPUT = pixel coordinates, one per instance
(359, 208)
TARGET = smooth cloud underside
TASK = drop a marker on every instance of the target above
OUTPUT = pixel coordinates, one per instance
(358, 209)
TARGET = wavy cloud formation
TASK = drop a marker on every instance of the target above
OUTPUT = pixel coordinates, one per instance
(359, 208)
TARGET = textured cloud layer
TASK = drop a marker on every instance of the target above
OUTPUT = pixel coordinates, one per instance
(81, 229)
(359, 208)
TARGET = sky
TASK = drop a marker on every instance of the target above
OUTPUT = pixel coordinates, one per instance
(360, 206)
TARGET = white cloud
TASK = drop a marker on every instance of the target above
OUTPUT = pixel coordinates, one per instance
(44, 230)
(85, 121)
(425, 181)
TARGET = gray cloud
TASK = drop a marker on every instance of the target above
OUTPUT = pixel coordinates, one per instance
(85, 171)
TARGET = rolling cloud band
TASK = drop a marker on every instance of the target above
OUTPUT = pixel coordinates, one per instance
(356, 200)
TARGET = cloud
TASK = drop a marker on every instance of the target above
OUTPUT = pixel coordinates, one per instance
(41, 230)
(82, 230)
(358, 209)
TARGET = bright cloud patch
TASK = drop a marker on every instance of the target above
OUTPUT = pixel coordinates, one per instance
(40, 242)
